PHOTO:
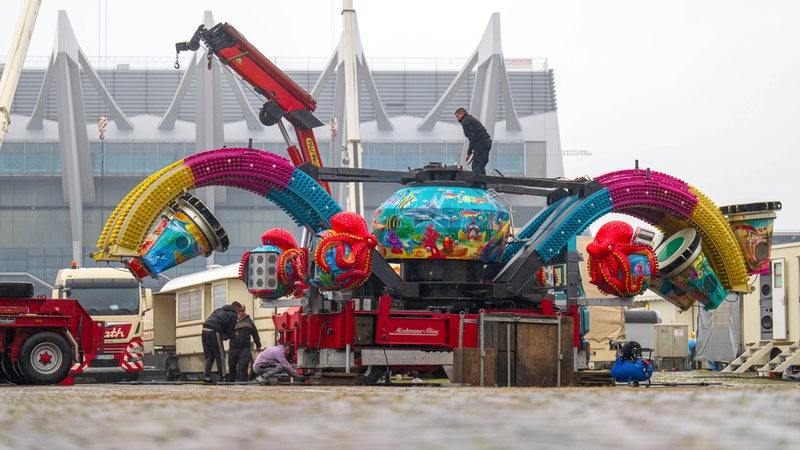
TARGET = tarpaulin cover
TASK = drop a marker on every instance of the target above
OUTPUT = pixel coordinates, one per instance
(718, 333)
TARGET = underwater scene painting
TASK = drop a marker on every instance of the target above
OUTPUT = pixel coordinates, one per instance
(442, 222)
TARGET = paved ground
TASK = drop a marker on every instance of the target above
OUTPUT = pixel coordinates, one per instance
(728, 413)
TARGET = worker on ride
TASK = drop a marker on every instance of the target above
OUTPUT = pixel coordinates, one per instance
(480, 143)
(273, 360)
(239, 356)
(219, 326)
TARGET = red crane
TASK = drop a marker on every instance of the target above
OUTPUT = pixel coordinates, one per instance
(284, 98)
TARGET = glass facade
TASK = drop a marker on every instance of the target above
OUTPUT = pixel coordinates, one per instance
(146, 158)
(108, 157)
(30, 158)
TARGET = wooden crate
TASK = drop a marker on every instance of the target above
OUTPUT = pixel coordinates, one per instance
(521, 354)
(467, 366)
(503, 337)
(537, 354)
(527, 353)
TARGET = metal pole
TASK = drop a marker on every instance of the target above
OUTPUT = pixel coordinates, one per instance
(461, 329)
(560, 356)
(508, 354)
(347, 358)
(284, 133)
(480, 346)
(461, 346)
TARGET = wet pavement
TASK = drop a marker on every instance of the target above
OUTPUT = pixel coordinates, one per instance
(684, 410)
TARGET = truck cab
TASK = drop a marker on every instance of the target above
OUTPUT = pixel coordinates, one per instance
(115, 296)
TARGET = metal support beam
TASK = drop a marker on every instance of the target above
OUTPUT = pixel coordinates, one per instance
(490, 78)
(355, 193)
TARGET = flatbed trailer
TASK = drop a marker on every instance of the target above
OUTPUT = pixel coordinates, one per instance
(43, 337)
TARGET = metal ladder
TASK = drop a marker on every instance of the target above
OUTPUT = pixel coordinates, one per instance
(755, 356)
(777, 365)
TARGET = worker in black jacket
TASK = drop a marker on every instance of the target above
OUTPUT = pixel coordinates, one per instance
(480, 143)
(239, 355)
(219, 326)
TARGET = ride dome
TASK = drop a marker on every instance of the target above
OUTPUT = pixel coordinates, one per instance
(442, 222)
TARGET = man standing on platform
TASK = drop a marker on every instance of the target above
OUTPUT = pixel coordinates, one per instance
(480, 143)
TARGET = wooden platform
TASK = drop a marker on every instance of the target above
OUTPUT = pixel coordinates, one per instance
(592, 378)
(333, 379)
(519, 353)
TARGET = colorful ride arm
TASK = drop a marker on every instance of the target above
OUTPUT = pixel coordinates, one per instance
(285, 98)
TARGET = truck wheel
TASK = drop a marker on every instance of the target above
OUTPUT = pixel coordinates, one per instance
(371, 376)
(45, 358)
(11, 372)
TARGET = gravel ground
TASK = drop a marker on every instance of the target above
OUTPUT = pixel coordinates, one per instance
(702, 411)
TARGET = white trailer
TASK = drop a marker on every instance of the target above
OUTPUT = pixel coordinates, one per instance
(174, 326)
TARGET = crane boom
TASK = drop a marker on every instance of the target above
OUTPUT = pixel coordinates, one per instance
(285, 98)
(16, 58)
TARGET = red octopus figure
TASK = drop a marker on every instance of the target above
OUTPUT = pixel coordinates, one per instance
(617, 266)
(343, 253)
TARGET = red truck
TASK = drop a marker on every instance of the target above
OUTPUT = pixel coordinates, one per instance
(43, 337)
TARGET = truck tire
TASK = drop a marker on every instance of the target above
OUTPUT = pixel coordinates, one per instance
(370, 376)
(11, 370)
(45, 358)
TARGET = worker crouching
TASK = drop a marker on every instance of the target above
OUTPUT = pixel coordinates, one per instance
(272, 361)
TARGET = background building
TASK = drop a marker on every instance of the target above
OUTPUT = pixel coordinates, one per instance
(59, 180)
